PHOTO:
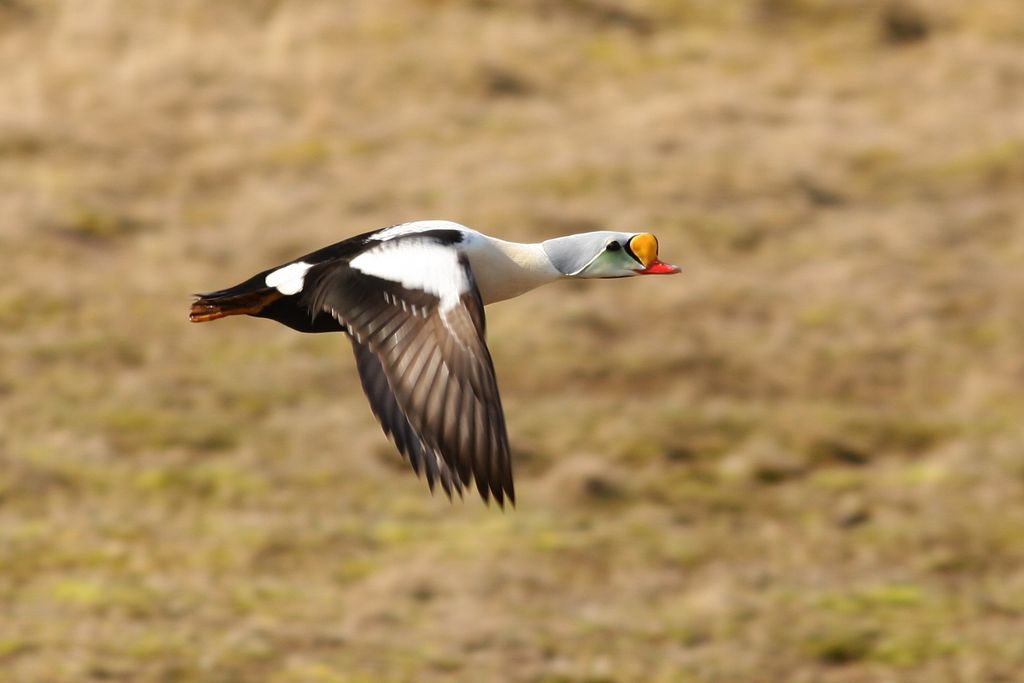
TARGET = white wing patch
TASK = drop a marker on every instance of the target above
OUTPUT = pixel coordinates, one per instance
(289, 279)
(414, 227)
(417, 264)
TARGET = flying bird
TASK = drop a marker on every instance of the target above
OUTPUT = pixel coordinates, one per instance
(411, 299)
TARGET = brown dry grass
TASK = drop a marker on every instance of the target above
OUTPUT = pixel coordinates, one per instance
(802, 460)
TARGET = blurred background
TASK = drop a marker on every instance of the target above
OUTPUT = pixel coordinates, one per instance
(800, 460)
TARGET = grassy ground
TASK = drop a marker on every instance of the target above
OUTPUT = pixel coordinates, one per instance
(801, 460)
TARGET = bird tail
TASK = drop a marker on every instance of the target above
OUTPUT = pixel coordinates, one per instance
(240, 300)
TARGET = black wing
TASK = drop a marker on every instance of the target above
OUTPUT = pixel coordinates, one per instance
(392, 419)
(426, 370)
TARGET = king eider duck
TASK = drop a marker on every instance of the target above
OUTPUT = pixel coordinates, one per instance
(411, 299)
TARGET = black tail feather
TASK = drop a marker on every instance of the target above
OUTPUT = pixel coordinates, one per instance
(253, 297)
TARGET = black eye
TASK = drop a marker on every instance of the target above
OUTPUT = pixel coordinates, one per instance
(613, 246)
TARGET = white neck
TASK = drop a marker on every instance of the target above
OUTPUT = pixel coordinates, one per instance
(504, 270)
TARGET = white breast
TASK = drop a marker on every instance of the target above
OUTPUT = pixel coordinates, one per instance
(504, 270)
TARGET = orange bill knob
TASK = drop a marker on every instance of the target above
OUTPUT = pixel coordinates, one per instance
(645, 247)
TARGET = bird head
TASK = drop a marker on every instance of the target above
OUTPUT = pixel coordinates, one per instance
(607, 254)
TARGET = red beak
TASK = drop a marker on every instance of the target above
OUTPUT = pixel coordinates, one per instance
(656, 267)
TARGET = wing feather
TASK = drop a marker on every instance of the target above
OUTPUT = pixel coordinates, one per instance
(387, 410)
(423, 364)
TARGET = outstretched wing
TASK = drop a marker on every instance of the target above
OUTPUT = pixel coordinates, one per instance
(392, 419)
(413, 311)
